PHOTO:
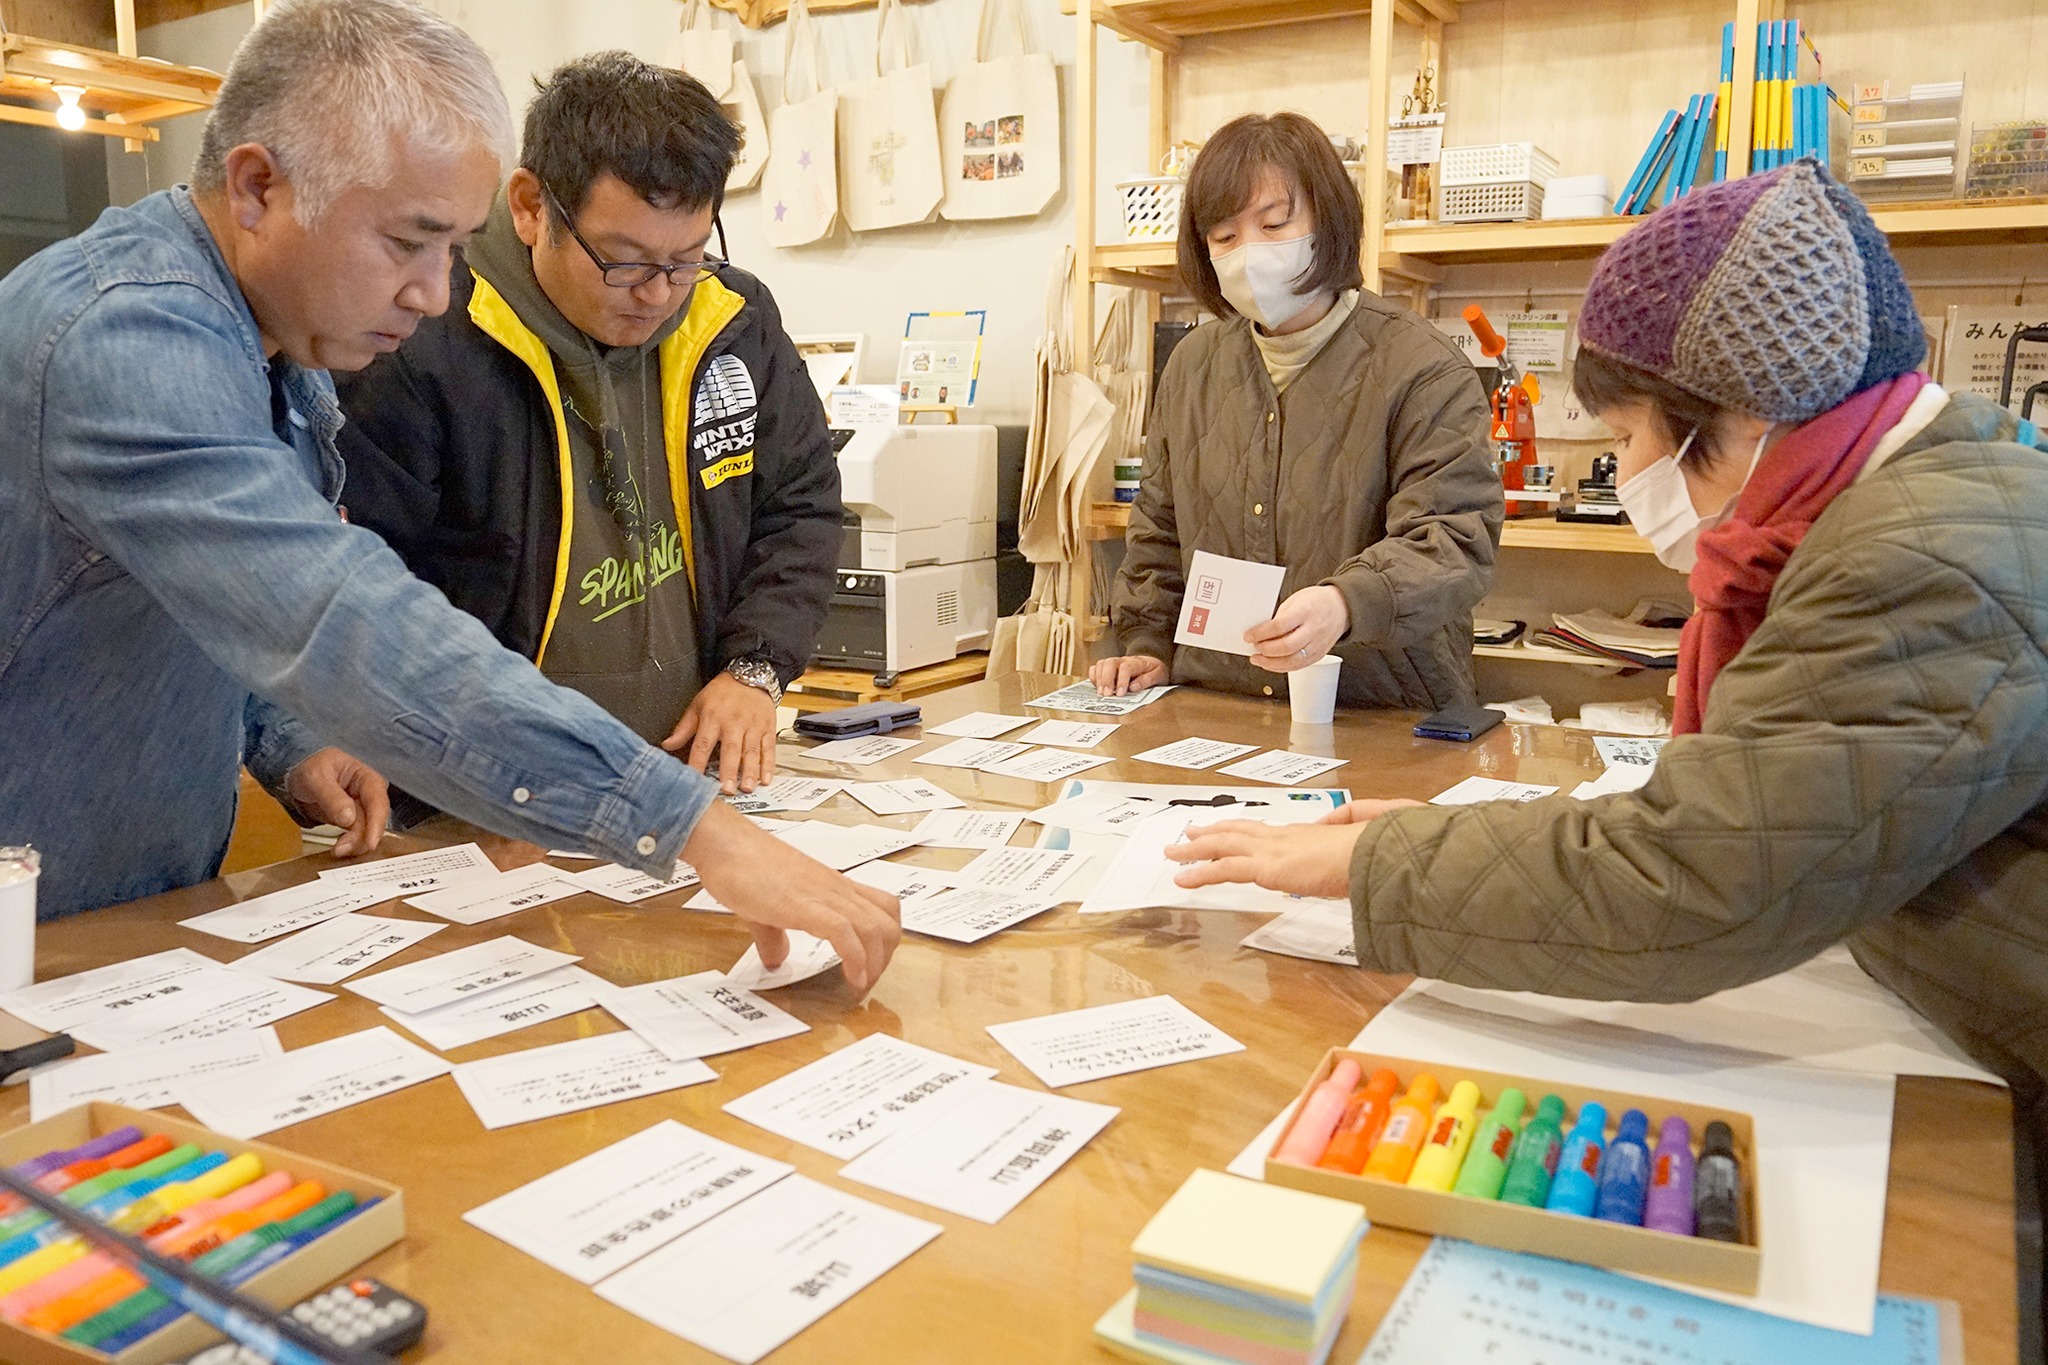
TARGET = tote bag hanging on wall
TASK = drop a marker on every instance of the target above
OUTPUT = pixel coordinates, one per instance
(743, 107)
(889, 135)
(800, 189)
(1000, 126)
(702, 50)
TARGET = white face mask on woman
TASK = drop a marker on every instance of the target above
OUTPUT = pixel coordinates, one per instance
(1258, 279)
(1659, 505)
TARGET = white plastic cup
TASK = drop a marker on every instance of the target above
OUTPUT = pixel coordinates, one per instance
(19, 868)
(1312, 691)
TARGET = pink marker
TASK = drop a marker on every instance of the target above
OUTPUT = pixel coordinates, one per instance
(206, 1210)
(1318, 1116)
(55, 1285)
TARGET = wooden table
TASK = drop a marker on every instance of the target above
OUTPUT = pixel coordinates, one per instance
(1029, 1288)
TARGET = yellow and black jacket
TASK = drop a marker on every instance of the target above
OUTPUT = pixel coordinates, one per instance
(458, 454)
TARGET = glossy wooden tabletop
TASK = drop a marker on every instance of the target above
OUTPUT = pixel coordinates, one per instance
(1029, 1288)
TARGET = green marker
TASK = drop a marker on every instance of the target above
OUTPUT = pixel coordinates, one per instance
(1534, 1160)
(1486, 1166)
(109, 1322)
(223, 1259)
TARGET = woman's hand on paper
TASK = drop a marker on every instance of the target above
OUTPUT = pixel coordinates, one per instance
(1126, 673)
(1302, 860)
(1304, 628)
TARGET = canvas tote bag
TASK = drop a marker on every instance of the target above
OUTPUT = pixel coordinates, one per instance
(743, 106)
(999, 127)
(800, 188)
(702, 50)
(889, 135)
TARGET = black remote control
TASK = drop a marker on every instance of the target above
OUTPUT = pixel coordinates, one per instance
(364, 1314)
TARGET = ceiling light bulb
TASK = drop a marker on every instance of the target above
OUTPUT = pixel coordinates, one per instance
(70, 116)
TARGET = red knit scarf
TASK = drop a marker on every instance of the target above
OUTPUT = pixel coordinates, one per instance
(1740, 560)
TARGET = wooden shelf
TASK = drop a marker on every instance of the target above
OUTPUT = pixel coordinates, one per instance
(123, 95)
(1162, 24)
(1948, 222)
(1544, 654)
(1548, 533)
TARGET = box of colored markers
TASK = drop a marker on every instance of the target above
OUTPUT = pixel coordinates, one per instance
(324, 1221)
(1630, 1182)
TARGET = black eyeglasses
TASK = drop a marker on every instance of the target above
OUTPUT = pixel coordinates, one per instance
(633, 274)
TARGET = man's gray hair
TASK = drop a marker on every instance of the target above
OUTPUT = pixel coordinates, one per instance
(335, 89)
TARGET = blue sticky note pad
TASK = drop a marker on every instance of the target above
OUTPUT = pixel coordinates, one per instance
(1468, 1302)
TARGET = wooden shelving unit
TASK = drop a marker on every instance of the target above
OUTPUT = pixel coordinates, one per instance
(1548, 533)
(1544, 654)
(121, 93)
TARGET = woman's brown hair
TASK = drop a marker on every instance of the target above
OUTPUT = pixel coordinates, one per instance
(1603, 383)
(1226, 175)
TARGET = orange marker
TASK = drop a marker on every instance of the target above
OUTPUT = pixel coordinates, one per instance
(187, 1244)
(1407, 1129)
(1364, 1116)
(73, 1308)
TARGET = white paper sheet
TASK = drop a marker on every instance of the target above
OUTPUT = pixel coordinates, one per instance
(1082, 698)
(861, 752)
(1111, 1040)
(1823, 1138)
(1099, 814)
(1280, 766)
(1634, 750)
(564, 1078)
(503, 1009)
(57, 1005)
(847, 1102)
(612, 1207)
(1071, 734)
(629, 886)
(840, 847)
(699, 1016)
(979, 725)
(1195, 753)
(307, 1083)
(789, 791)
(983, 1156)
(970, 914)
(1142, 877)
(459, 975)
(1046, 765)
(905, 796)
(166, 997)
(287, 911)
(968, 828)
(417, 872)
(809, 956)
(741, 1285)
(902, 879)
(490, 898)
(1320, 930)
(1033, 872)
(143, 1077)
(1223, 599)
(1475, 790)
(1621, 777)
(972, 753)
(334, 950)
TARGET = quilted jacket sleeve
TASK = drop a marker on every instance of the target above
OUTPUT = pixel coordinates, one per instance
(1443, 516)
(1145, 605)
(1887, 719)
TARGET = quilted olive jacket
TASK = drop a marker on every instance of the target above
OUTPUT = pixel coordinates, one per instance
(1373, 474)
(1872, 768)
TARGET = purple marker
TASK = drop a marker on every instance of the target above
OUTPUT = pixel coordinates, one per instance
(1668, 1207)
(42, 1165)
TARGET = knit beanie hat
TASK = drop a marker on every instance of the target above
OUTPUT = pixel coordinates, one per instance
(1774, 295)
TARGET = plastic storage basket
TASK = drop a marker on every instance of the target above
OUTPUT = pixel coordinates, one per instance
(1492, 203)
(1151, 207)
(1497, 163)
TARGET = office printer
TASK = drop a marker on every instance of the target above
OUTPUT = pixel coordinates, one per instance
(917, 561)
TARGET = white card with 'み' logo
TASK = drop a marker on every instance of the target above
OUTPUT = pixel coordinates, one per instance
(1223, 599)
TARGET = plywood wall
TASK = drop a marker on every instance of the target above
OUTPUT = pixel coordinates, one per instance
(88, 23)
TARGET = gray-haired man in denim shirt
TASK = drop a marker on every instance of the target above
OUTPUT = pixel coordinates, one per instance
(178, 591)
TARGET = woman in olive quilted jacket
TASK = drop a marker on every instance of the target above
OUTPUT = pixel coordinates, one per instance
(1314, 426)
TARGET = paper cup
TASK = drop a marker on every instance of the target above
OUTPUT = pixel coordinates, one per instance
(1312, 691)
(18, 870)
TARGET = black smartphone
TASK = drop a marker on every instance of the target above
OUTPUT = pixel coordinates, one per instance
(1462, 723)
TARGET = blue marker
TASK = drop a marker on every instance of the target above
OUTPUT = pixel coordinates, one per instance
(1625, 1172)
(1577, 1185)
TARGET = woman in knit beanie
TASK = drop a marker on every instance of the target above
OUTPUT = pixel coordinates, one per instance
(1862, 746)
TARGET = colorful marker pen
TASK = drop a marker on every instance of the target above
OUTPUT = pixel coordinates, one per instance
(1450, 1135)
(1486, 1165)
(224, 1258)
(1668, 1206)
(1717, 1186)
(37, 1167)
(131, 1153)
(1625, 1172)
(197, 1241)
(225, 1178)
(1407, 1129)
(1312, 1127)
(40, 1263)
(1364, 1116)
(1578, 1170)
(1534, 1160)
(109, 1205)
(204, 1212)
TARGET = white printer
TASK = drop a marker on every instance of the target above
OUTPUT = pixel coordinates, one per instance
(917, 575)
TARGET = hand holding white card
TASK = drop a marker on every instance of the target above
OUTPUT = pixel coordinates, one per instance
(808, 957)
(334, 950)
(1110, 1040)
(1142, 877)
(968, 828)
(289, 910)
(904, 796)
(1223, 599)
(541, 1082)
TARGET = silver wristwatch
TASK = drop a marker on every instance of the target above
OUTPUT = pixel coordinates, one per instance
(757, 673)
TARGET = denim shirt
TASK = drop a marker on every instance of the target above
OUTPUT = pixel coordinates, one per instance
(178, 594)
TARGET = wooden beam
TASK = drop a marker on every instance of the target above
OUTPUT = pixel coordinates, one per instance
(150, 113)
(1444, 11)
(96, 77)
(45, 118)
(1131, 279)
(149, 13)
(1137, 30)
(1379, 75)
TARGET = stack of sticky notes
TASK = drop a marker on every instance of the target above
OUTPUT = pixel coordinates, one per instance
(1236, 1270)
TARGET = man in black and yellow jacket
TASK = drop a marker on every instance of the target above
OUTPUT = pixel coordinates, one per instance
(607, 448)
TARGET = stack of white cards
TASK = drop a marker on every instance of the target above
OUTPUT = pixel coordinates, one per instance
(167, 997)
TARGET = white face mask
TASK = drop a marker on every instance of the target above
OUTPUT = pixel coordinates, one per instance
(1659, 505)
(1258, 279)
